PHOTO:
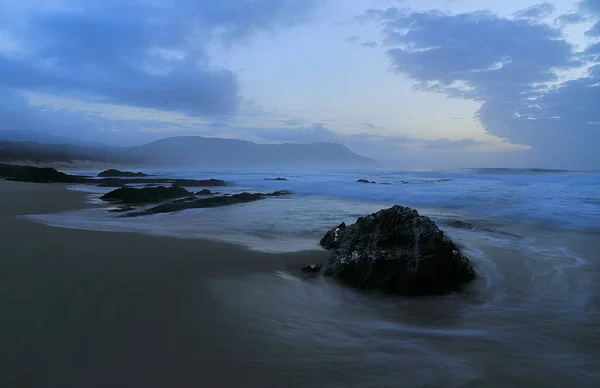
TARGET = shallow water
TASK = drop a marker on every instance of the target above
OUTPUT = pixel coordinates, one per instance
(531, 319)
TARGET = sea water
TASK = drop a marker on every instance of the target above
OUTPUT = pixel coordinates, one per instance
(531, 319)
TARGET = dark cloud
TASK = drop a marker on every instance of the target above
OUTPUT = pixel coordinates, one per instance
(504, 64)
(538, 11)
(144, 54)
(592, 9)
(353, 39)
(369, 44)
(571, 18)
(370, 15)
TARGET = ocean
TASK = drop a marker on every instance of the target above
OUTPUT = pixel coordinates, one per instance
(531, 319)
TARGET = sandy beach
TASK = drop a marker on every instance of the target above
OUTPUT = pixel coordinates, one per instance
(103, 309)
(137, 307)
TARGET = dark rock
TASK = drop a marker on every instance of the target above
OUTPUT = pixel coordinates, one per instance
(312, 268)
(364, 181)
(120, 182)
(204, 192)
(396, 251)
(276, 179)
(278, 193)
(37, 174)
(460, 224)
(201, 203)
(127, 195)
(112, 173)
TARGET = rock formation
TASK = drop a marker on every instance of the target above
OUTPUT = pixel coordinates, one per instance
(396, 251)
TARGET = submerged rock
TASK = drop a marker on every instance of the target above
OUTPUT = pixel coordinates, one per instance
(131, 195)
(364, 181)
(396, 251)
(37, 174)
(276, 179)
(201, 203)
(112, 173)
(312, 268)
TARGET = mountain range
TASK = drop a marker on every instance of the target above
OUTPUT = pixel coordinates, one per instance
(182, 151)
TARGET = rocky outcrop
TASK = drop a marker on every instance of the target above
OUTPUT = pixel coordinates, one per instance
(201, 203)
(276, 179)
(112, 173)
(396, 251)
(130, 195)
(37, 174)
(121, 182)
(204, 192)
(364, 181)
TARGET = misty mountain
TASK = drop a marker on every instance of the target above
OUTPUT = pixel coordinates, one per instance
(20, 135)
(191, 151)
(30, 151)
(215, 152)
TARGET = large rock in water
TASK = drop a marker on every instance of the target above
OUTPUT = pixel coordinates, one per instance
(37, 174)
(396, 251)
(112, 173)
(131, 195)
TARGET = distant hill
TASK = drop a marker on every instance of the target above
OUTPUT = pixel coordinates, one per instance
(214, 152)
(30, 151)
(21, 135)
(192, 151)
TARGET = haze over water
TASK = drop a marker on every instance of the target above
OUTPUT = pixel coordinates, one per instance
(530, 319)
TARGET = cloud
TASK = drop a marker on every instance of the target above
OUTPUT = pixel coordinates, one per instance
(447, 144)
(369, 44)
(143, 54)
(538, 11)
(369, 15)
(353, 39)
(571, 18)
(591, 8)
(504, 64)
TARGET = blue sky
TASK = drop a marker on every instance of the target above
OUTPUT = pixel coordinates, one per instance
(428, 83)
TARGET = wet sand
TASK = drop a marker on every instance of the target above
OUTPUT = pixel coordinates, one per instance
(103, 309)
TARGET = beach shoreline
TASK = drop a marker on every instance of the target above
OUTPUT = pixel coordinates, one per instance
(91, 308)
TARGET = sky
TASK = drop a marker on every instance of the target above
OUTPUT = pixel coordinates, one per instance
(416, 84)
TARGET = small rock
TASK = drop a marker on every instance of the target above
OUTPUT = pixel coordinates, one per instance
(312, 268)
